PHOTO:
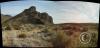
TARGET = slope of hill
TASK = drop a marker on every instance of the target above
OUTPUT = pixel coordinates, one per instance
(5, 17)
(29, 16)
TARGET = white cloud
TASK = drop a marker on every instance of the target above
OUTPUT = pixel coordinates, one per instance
(79, 12)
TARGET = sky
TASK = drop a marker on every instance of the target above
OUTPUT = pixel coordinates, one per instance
(61, 11)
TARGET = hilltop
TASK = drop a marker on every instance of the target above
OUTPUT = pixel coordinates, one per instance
(28, 16)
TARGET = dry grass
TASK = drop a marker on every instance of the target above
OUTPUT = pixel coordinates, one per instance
(60, 37)
(18, 38)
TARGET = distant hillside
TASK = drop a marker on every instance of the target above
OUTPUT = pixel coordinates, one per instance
(5, 17)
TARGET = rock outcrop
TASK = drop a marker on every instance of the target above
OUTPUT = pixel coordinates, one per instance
(29, 16)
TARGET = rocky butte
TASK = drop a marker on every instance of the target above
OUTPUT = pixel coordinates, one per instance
(29, 16)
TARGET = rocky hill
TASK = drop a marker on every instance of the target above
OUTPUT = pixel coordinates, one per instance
(29, 16)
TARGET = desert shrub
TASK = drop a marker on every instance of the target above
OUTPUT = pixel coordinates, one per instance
(7, 28)
(84, 29)
(60, 40)
(16, 27)
(94, 39)
(21, 36)
(69, 33)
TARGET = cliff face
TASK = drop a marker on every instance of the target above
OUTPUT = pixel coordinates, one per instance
(30, 16)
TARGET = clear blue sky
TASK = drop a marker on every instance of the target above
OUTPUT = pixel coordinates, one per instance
(62, 12)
